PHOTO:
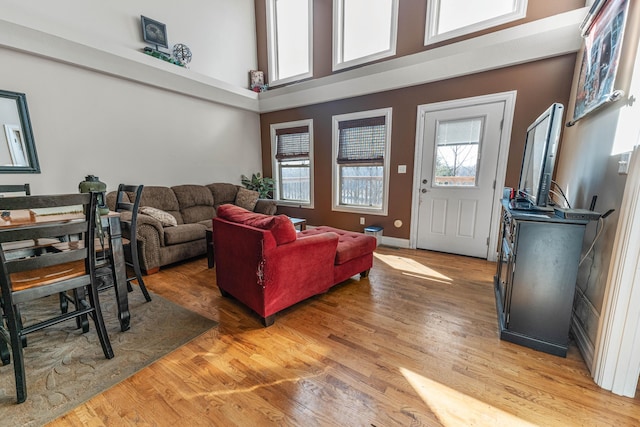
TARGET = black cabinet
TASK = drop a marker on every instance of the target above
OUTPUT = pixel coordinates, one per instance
(536, 277)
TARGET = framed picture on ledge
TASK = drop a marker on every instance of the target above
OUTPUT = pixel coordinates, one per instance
(603, 31)
(154, 32)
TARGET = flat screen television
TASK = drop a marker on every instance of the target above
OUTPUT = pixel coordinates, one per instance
(539, 159)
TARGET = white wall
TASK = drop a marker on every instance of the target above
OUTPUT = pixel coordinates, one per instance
(220, 33)
(588, 166)
(87, 122)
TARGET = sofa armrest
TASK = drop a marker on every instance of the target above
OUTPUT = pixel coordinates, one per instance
(150, 237)
(266, 206)
(151, 223)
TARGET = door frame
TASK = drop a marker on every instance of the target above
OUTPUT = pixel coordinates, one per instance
(509, 99)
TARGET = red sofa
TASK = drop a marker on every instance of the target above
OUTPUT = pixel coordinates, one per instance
(264, 263)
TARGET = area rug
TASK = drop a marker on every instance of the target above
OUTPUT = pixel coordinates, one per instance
(65, 368)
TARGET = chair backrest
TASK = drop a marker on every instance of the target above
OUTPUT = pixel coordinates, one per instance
(131, 203)
(17, 278)
(16, 188)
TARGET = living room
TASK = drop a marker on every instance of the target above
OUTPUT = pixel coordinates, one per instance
(96, 99)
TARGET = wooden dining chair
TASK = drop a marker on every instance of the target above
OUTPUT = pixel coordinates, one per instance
(28, 245)
(49, 272)
(16, 188)
(127, 204)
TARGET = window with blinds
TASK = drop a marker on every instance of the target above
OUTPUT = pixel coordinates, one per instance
(362, 140)
(361, 146)
(292, 145)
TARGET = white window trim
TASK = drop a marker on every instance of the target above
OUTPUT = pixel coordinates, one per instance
(433, 7)
(275, 167)
(335, 187)
(338, 30)
(272, 51)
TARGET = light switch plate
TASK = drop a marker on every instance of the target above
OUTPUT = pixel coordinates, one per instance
(623, 163)
(402, 168)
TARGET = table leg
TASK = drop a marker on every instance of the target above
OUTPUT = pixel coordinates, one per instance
(119, 272)
(210, 251)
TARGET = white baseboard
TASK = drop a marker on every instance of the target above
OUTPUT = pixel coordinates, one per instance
(396, 242)
(585, 346)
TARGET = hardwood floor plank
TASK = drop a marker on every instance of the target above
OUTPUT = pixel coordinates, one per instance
(415, 343)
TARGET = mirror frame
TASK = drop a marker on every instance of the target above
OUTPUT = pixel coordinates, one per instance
(27, 133)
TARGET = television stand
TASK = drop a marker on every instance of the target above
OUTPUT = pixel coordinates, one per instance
(536, 277)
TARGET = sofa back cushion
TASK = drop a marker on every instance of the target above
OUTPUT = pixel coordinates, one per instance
(162, 198)
(280, 226)
(196, 203)
(247, 198)
(223, 193)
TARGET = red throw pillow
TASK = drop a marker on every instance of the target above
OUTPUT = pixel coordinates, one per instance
(280, 226)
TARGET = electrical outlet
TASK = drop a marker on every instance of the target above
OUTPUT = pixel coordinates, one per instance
(361, 220)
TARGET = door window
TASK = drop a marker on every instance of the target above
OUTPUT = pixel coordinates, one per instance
(457, 153)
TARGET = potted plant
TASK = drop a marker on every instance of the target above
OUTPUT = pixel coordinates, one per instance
(263, 185)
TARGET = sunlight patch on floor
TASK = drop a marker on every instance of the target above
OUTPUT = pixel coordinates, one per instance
(413, 268)
(457, 409)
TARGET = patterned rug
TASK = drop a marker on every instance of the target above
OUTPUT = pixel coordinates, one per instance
(65, 368)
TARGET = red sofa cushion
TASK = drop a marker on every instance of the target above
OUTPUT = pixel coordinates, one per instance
(280, 226)
(351, 244)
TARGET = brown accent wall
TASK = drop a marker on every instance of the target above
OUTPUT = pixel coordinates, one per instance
(411, 26)
(538, 84)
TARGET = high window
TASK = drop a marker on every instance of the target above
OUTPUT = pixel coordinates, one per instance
(292, 148)
(452, 18)
(361, 147)
(363, 31)
(289, 40)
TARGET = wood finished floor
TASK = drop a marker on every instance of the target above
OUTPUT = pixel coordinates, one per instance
(414, 344)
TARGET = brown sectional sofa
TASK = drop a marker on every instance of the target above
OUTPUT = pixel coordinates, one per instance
(193, 207)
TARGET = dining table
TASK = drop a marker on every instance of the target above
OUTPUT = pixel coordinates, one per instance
(110, 228)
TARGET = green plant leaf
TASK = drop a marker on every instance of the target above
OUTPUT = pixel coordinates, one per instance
(263, 185)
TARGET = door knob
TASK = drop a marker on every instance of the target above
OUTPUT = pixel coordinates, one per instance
(424, 190)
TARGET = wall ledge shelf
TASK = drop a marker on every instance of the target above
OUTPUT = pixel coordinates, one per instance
(132, 65)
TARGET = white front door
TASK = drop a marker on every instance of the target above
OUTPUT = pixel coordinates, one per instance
(457, 178)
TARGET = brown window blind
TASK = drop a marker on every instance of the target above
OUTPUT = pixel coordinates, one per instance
(362, 140)
(292, 143)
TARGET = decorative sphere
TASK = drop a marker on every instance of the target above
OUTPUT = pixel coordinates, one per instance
(182, 53)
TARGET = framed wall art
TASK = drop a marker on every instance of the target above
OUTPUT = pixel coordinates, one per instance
(603, 31)
(154, 32)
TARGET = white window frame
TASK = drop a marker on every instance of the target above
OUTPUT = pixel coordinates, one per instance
(338, 38)
(272, 51)
(433, 10)
(275, 165)
(335, 191)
